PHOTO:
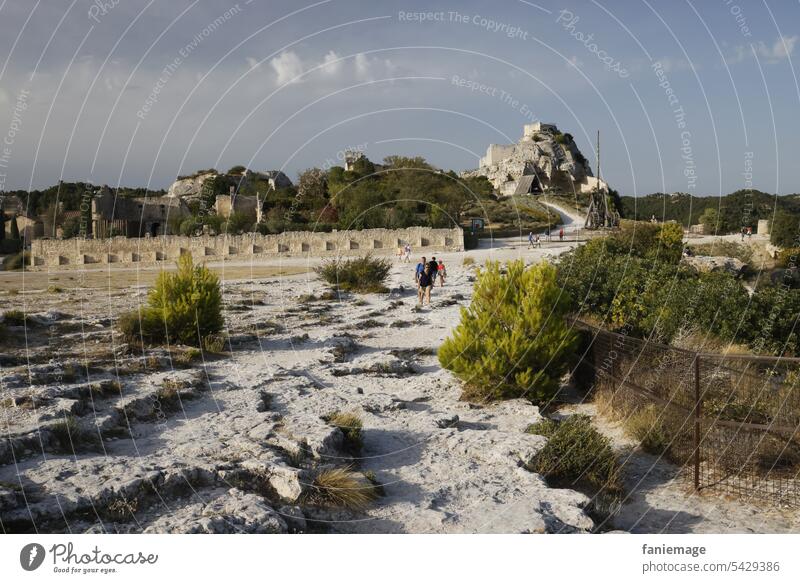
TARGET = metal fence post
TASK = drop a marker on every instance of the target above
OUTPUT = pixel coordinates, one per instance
(697, 413)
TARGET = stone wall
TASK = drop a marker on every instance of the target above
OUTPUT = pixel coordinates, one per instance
(49, 253)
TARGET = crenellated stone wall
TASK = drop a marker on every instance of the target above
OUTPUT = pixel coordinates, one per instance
(49, 253)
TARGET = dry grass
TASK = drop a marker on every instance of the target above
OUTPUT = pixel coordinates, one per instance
(122, 508)
(468, 261)
(341, 488)
(651, 428)
(214, 343)
(350, 425)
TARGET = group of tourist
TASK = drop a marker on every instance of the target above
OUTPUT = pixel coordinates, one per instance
(534, 240)
(426, 274)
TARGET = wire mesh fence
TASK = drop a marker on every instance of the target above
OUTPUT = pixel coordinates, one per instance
(731, 421)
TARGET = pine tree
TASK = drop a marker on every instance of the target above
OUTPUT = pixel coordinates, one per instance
(512, 340)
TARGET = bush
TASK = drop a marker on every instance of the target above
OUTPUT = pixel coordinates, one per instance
(512, 340)
(785, 230)
(468, 261)
(788, 257)
(341, 488)
(362, 275)
(577, 454)
(184, 307)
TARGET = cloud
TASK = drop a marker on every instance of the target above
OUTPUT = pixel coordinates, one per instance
(253, 63)
(331, 63)
(782, 48)
(362, 65)
(671, 65)
(287, 66)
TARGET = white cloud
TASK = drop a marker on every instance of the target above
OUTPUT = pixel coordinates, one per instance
(253, 63)
(671, 65)
(287, 66)
(362, 65)
(780, 49)
(331, 63)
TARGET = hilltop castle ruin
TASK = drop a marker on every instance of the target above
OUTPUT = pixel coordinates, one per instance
(543, 160)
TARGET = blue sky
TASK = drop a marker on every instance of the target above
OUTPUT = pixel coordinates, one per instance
(697, 97)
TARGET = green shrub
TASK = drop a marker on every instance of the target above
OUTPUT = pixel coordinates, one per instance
(362, 275)
(577, 454)
(183, 307)
(512, 340)
(785, 230)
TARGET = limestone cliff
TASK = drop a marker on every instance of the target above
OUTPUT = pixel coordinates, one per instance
(191, 187)
(543, 160)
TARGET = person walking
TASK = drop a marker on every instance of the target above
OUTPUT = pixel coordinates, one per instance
(424, 285)
(547, 234)
(420, 268)
(434, 265)
(530, 240)
(441, 273)
(408, 252)
(561, 234)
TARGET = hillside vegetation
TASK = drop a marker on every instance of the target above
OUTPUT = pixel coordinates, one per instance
(740, 208)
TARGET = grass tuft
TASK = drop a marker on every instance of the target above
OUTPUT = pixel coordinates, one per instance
(350, 425)
(341, 488)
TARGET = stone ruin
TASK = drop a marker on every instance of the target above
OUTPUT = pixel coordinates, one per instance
(47, 253)
(543, 160)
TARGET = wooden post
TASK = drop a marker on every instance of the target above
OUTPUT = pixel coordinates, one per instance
(697, 414)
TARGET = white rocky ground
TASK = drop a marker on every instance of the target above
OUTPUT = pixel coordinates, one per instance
(237, 451)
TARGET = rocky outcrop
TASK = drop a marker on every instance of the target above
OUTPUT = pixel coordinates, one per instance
(550, 161)
(191, 187)
(705, 263)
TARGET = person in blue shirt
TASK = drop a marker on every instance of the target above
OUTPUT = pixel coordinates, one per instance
(420, 269)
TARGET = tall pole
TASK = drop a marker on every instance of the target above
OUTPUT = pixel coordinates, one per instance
(598, 160)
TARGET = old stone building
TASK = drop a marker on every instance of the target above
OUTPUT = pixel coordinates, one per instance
(134, 217)
(226, 204)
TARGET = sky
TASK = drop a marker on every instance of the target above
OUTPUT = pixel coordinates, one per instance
(688, 96)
